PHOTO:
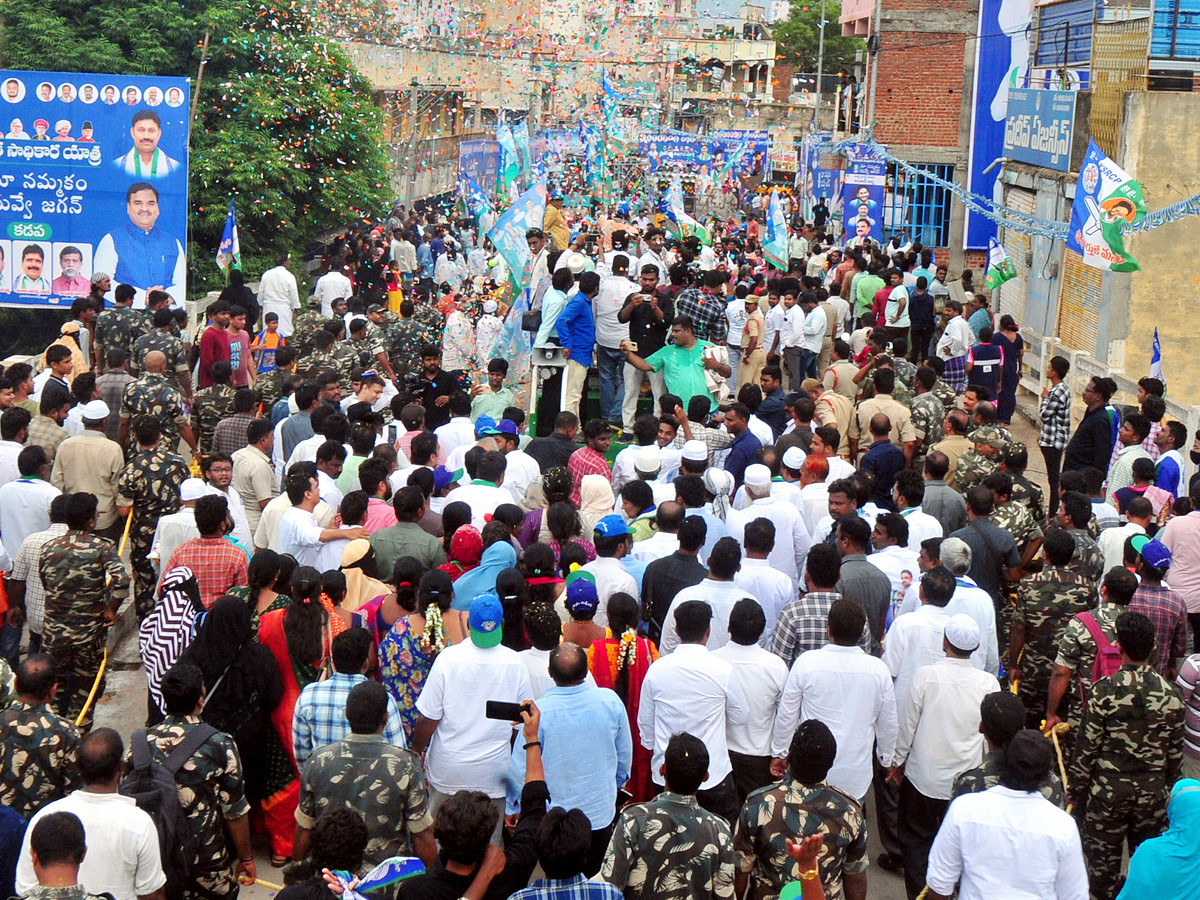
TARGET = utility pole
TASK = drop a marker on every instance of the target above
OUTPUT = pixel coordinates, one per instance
(875, 63)
(820, 66)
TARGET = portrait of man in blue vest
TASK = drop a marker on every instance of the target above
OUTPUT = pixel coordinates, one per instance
(140, 253)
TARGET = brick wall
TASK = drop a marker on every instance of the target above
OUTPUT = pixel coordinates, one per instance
(781, 81)
(920, 88)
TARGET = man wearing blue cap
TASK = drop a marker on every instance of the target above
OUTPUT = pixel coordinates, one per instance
(520, 469)
(612, 540)
(1160, 605)
(466, 750)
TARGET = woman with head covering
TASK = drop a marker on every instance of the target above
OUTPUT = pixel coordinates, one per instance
(1168, 867)
(362, 580)
(409, 647)
(498, 555)
(166, 632)
(596, 501)
(298, 639)
(554, 486)
(466, 547)
(262, 594)
(242, 685)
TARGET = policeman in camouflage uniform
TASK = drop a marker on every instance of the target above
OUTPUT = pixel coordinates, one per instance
(1012, 516)
(1046, 602)
(368, 346)
(150, 395)
(1074, 514)
(85, 582)
(381, 782)
(796, 809)
(37, 747)
(1002, 715)
(901, 393)
(305, 328)
(944, 393)
(1127, 757)
(149, 485)
(906, 372)
(978, 462)
(270, 384)
(165, 341)
(120, 325)
(212, 404)
(212, 795)
(928, 414)
(345, 359)
(380, 318)
(430, 318)
(404, 342)
(1013, 460)
(310, 366)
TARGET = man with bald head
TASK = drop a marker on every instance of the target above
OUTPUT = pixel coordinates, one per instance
(884, 460)
(577, 714)
(151, 395)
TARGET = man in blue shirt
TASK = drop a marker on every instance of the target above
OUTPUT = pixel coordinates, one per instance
(139, 252)
(771, 410)
(587, 748)
(425, 264)
(577, 334)
(884, 460)
(745, 445)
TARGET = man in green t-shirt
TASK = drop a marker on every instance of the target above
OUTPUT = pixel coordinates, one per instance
(682, 361)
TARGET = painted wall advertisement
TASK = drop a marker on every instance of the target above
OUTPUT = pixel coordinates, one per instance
(863, 189)
(93, 178)
(1039, 128)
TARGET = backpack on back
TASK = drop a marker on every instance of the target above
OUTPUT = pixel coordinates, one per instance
(1108, 657)
(152, 785)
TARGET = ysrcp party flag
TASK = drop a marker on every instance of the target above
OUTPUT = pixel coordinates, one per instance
(1156, 367)
(678, 221)
(1106, 198)
(521, 140)
(510, 160)
(1000, 267)
(229, 251)
(775, 244)
(508, 234)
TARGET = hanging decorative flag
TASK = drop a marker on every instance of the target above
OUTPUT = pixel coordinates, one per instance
(1156, 367)
(1000, 267)
(1106, 198)
(775, 244)
(508, 234)
(678, 221)
(229, 251)
(510, 161)
(735, 155)
(475, 198)
(521, 140)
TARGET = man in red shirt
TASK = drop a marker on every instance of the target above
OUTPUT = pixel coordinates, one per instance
(214, 343)
(217, 563)
(590, 458)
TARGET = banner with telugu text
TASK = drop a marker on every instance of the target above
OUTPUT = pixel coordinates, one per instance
(93, 178)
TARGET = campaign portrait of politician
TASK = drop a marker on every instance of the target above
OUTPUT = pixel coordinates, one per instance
(139, 252)
(146, 160)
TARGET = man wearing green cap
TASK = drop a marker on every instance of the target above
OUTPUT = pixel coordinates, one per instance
(980, 461)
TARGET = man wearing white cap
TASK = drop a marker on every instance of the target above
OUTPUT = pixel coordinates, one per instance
(90, 462)
(938, 739)
(178, 527)
(791, 535)
(646, 466)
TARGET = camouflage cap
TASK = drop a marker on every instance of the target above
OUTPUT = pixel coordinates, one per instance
(989, 435)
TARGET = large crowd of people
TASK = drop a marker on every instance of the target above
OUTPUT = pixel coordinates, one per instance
(781, 565)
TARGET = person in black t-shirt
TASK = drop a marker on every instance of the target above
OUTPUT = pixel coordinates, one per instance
(434, 386)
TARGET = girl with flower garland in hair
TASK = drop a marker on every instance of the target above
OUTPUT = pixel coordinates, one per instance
(620, 663)
(407, 650)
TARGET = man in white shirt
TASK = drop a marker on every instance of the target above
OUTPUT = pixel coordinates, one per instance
(1040, 857)
(757, 577)
(907, 493)
(25, 503)
(613, 542)
(665, 541)
(816, 323)
(849, 691)
(458, 432)
(970, 599)
(814, 489)
(520, 469)
(693, 691)
(253, 473)
(761, 676)
(122, 842)
(956, 339)
(299, 533)
(333, 285)
(466, 750)
(277, 293)
(718, 591)
(485, 492)
(791, 334)
(892, 556)
(772, 332)
(939, 737)
(1139, 512)
(610, 333)
(791, 535)
(14, 431)
(655, 239)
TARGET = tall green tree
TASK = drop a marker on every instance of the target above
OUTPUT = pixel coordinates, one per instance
(797, 38)
(284, 125)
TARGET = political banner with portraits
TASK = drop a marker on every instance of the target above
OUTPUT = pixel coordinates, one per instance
(93, 179)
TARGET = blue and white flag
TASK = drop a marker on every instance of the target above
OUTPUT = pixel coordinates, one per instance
(510, 161)
(678, 221)
(1156, 366)
(508, 234)
(521, 139)
(475, 197)
(735, 155)
(775, 244)
(229, 251)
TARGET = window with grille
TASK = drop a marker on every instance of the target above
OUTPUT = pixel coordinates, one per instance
(918, 205)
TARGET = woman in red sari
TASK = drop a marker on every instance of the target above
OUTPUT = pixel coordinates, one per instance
(298, 638)
(621, 663)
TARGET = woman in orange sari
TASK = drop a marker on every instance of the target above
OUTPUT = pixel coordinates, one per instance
(620, 663)
(298, 639)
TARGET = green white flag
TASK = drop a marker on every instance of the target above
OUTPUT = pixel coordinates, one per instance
(1107, 199)
(1000, 268)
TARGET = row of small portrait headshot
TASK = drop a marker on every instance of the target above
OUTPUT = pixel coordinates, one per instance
(14, 89)
(42, 267)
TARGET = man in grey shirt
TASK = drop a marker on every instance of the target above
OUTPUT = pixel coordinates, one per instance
(941, 501)
(861, 581)
(994, 555)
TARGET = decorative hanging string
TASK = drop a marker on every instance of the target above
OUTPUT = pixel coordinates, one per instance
(1015, 220)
